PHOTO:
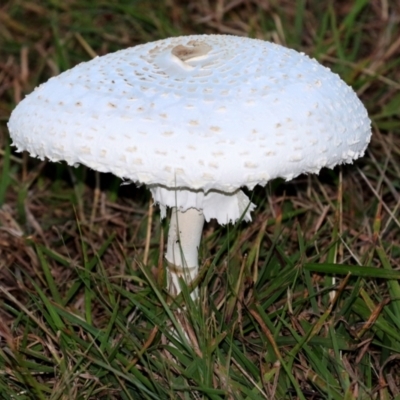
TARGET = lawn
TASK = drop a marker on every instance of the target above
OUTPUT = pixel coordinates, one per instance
(301, 303)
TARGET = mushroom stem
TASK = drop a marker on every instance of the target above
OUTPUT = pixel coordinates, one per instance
(182, 249)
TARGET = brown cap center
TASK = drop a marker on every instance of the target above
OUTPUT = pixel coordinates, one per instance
(196, 49)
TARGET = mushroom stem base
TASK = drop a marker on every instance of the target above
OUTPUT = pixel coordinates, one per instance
(184, 237)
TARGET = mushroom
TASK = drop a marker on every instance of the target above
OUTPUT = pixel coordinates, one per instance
(195, 118)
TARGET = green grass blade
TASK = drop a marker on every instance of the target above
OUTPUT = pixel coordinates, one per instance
(355, 270)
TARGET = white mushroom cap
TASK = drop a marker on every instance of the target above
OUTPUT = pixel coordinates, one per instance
(206, 113)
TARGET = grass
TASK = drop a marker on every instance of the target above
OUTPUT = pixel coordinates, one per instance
(303, 303)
